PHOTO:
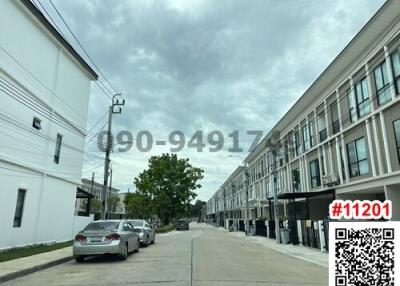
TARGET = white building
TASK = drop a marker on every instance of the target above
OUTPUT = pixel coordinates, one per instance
(44, 96)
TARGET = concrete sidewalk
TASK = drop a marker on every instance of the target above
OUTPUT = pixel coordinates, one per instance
(298, 251)
(19, 267)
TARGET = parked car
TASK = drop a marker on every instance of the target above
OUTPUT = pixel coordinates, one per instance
(182, 224)
(106, 237)
(147, 233)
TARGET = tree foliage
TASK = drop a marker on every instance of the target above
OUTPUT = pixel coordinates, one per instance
(165, 189)
(112, 203)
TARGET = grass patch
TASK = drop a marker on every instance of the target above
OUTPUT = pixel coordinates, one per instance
(20, 252)
(165, 228)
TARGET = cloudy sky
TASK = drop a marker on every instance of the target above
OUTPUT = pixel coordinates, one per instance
(204, 65)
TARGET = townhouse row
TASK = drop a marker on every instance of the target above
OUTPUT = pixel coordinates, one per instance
(341, 139)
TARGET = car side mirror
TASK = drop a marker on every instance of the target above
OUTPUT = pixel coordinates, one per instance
(136, 230)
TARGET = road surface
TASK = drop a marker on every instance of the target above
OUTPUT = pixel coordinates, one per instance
(201, 256)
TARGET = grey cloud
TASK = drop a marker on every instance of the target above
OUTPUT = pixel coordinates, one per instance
(227, 64)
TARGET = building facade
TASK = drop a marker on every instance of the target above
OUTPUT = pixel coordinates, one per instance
(341, 139)
(96, 190)
(44, 97)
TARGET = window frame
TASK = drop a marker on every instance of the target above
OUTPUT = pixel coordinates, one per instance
(356, 163)
(382, 91)
(396, 78)
(57, 151)
(397, 138)
(335, 123)
(365, 98)
(19, 208)
(322, 134)
(317, 176)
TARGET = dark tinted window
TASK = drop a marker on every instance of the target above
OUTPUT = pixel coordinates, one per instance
(136, 222)
(104, 225)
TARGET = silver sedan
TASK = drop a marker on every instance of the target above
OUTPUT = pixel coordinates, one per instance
(146, 231)
(106, 237)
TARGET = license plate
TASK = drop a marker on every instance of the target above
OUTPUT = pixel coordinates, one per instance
(95, 239)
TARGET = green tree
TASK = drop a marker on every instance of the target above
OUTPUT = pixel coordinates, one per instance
(199, 209)
(138, 205)
(95, 206)
(112, 203)
(168, 186)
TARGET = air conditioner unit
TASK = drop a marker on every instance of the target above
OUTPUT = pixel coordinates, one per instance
(330, 180)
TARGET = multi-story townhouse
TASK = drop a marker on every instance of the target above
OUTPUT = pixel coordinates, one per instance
(341, 139)
(44, 98)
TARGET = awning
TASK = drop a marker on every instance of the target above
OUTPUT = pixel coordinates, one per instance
(302, 195)
(81, 194)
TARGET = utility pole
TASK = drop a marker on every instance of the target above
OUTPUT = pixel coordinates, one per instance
(91, 188)
(109, 192)
(276, 209)
(115, 103)
(246, 182)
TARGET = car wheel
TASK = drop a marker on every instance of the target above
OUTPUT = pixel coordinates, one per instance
(138, 245)
(124, 255)
(147, 241)
(154, 239)
(79, 259)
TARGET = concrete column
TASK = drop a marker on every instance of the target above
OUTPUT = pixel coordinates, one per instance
(321, 235)
(289, 171)
(328, 126)
(320, 164)
(316, 137)
(307, 177)
(390, 72)
(385, 142)
(393, 195)
(377, 146)
(353, 95)
(300, 232)
(370, 149)
(325, 158)
(370, 87)
(301, 175)
(339, 108)
(330, 157)
(338, 159)
(344, 156)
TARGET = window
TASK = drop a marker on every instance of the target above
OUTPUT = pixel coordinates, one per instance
(382, 83)
(352, 106)
(58, 149)
(396, 126)
(362, 98)
(296, 180)
(306, 137)
(19, 208)
(342, 163)
(314, 171)
(396, 69)
(335, 118)
(322, 127)
(323, 165)
(297, 144)
(357, 157)
(36, 123)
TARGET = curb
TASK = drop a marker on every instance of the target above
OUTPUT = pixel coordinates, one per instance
(31, 270)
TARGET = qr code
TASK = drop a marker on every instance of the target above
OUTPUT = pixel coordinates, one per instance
(363, 253)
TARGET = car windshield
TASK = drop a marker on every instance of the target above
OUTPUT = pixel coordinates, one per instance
(136, 222)
(104, 225)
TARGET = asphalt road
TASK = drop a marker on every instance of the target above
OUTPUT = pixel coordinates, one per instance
(201, 256)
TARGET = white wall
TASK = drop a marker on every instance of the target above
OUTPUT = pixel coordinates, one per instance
(80, 222)
(45, 73)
